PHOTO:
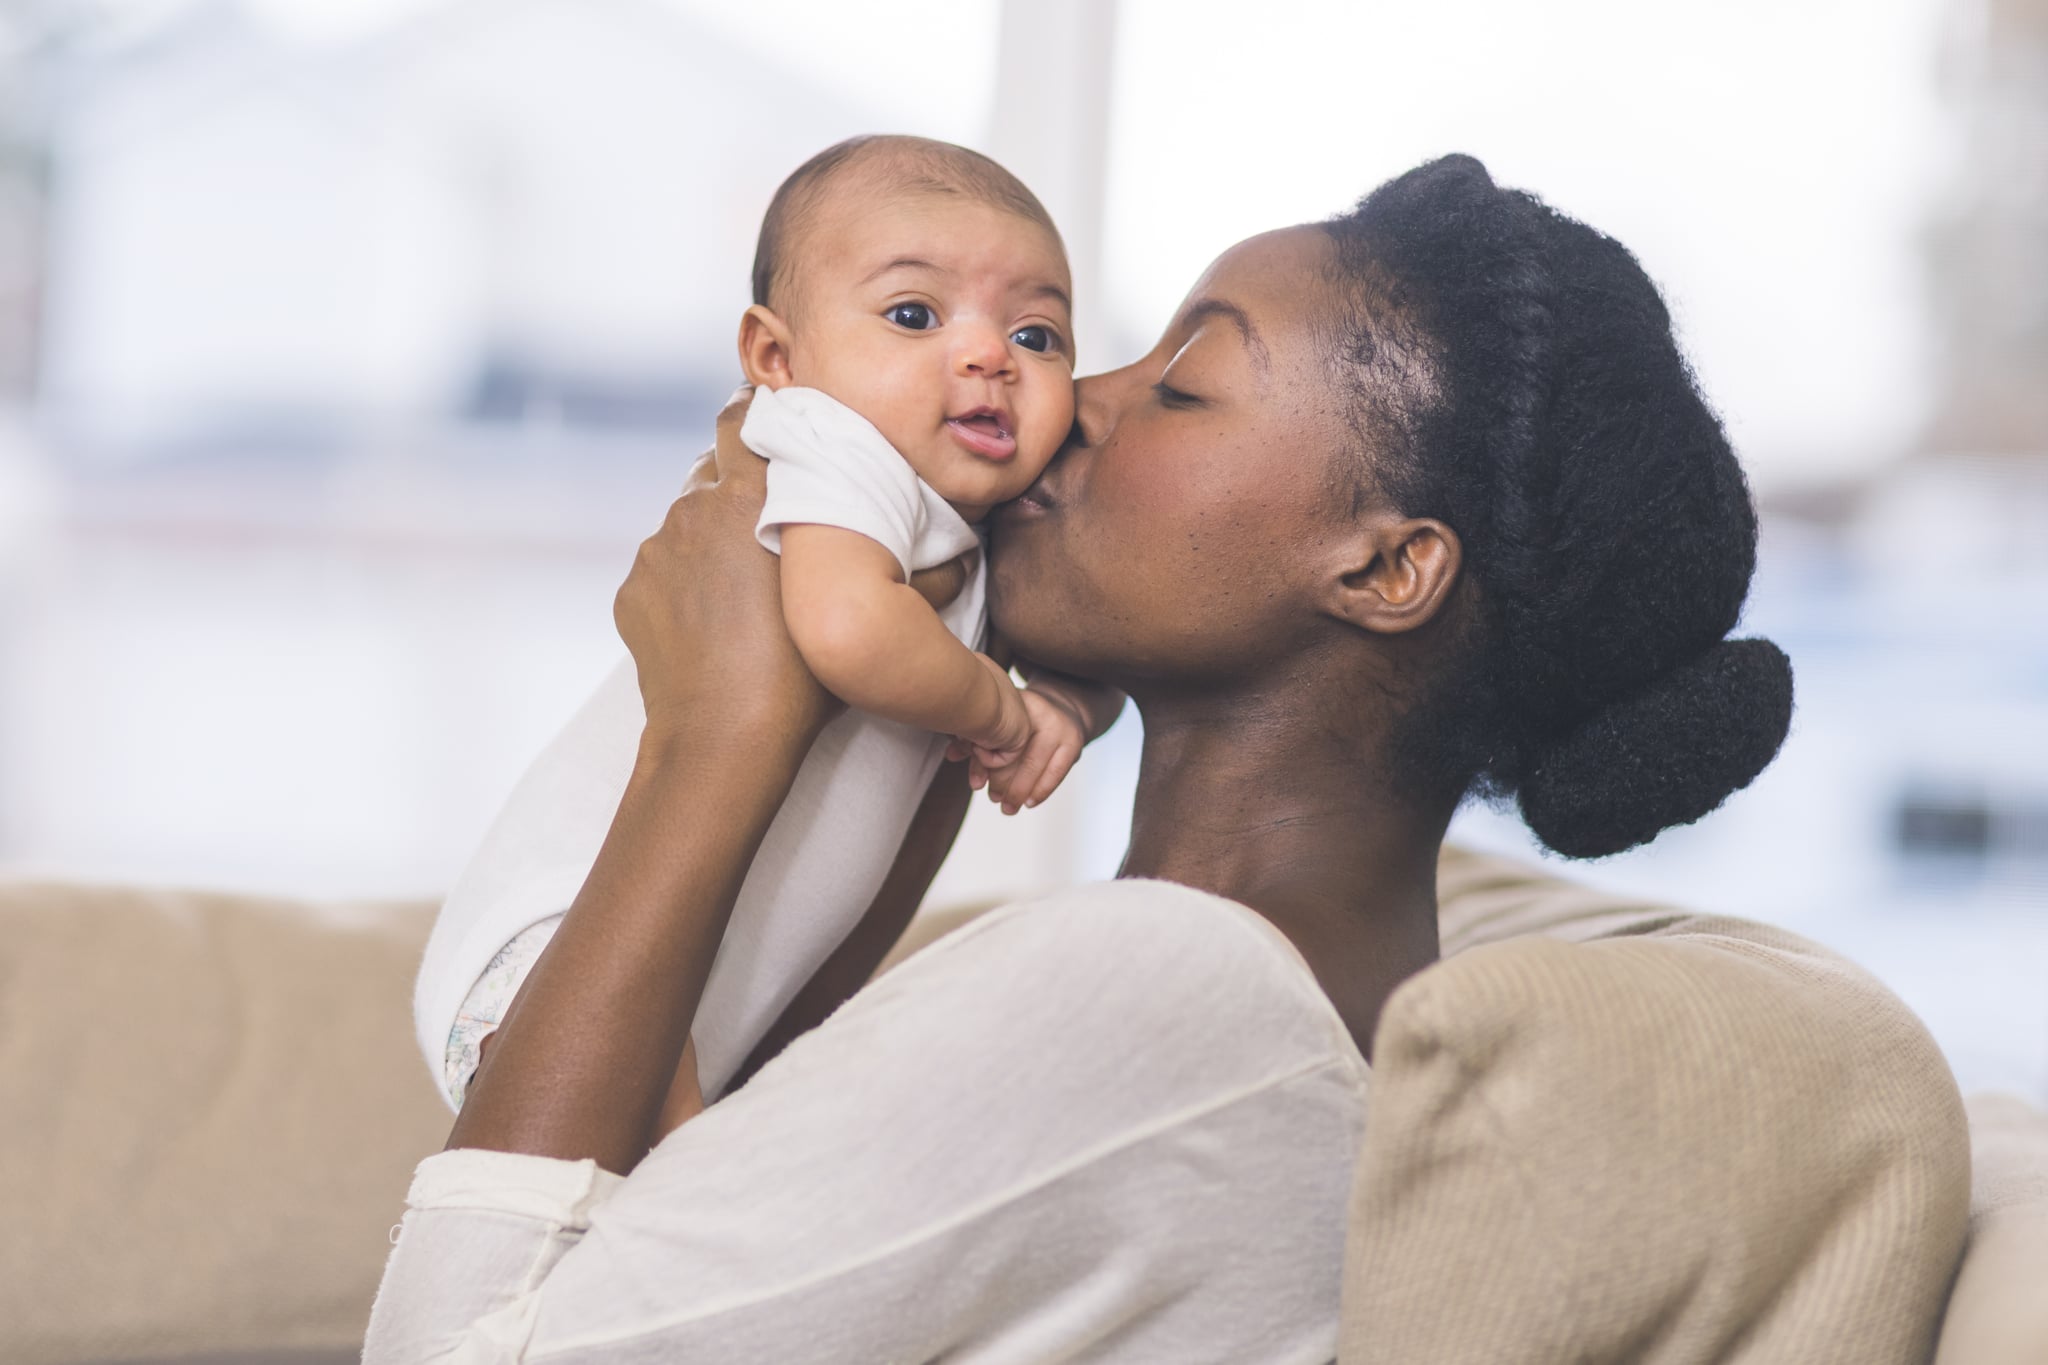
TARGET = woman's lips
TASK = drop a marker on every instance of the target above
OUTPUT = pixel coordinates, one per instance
(984, 434)
(1032, 502)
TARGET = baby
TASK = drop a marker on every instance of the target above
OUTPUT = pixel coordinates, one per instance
(911, 349)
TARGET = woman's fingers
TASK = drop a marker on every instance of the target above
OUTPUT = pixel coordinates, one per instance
(736, 463)
(701, 612)
(703, 474)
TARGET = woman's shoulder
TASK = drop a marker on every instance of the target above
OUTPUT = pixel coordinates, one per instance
(1121, 1101)
(1190, 971)
(1141, 915)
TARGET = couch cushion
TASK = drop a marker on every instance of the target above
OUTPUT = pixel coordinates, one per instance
(1639, 1135)
(1484, 899)
(213, 1105)
(1998, 1314)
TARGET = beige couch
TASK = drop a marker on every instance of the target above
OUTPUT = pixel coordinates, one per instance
(1601, 1132)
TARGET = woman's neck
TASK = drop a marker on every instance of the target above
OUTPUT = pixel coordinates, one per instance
(1259, 804)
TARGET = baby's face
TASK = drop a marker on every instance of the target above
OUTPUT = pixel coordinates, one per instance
(946, 323)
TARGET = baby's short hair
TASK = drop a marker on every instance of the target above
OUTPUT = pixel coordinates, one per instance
(899, 164)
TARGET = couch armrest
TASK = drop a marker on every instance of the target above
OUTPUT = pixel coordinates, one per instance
(1703, 1140)
(1998, 1314)
(213, 1105)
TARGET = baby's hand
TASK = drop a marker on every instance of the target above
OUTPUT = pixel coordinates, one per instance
(1002, 742)
(1057, 734)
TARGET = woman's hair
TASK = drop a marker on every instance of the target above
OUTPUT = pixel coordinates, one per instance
(1513, 374)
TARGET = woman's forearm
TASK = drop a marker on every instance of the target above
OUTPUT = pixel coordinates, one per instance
(585, 1054)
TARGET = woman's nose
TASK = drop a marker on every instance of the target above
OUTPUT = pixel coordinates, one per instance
(982, 352)
(1095, 408)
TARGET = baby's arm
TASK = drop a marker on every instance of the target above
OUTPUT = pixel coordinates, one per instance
(1066, 713)
(877, 645)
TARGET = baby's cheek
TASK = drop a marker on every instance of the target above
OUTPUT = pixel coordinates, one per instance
(1051, 418)
(1064, 401)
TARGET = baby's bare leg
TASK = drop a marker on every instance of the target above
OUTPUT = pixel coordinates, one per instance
(483, 1009)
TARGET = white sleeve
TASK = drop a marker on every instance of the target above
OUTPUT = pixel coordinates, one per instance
(829, 466)
(1118, 1122)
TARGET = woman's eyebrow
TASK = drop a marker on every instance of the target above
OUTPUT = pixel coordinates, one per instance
(1202, 309)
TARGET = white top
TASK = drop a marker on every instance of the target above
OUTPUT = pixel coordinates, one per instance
(1118, 1124)
(833, 841)
(828, 465)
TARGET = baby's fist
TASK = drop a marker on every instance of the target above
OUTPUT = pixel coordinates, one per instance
(1057, 734)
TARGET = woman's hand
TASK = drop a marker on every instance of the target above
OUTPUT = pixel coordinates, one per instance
(701, 611)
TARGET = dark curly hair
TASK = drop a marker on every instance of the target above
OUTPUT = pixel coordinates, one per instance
(1513, 374)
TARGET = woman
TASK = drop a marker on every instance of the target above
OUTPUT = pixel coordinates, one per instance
(1416, 502)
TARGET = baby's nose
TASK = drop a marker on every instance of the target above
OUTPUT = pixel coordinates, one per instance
(982, 351)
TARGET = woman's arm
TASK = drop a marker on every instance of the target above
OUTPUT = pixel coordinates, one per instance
(585, 1055)
(1075, 1103)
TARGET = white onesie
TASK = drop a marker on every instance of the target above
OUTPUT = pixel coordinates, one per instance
(827, 850)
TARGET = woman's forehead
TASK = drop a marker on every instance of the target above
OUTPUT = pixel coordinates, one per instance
(1275, 291)
(1277, 279)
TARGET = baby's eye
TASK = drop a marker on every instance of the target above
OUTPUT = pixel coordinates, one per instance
(915, 317)
(1036, 338)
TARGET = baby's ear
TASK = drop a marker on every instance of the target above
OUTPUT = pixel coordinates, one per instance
(764, 348)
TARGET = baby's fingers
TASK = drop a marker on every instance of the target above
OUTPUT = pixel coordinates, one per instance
(978, 768)
(1027, 778)
(1024, 782)
(1056, 769)
(999, 779)
(1003, 795)
(997, 759)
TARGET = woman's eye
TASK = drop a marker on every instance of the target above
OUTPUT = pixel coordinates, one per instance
(915, 317)
(1036, 338)
(1170, 397)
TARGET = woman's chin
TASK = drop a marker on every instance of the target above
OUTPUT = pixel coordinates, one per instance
(1028, 601)
(1033, 631)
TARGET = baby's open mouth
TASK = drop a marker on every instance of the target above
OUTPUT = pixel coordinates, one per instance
(985, 432)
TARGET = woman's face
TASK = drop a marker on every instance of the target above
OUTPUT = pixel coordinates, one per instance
(1175, 536)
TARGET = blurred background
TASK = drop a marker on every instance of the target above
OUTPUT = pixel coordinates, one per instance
(349, 347)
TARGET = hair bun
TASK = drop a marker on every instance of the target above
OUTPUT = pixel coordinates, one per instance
(1665, 755)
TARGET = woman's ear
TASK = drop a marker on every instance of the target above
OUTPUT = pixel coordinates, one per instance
(764, 348)
(1396, 574)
